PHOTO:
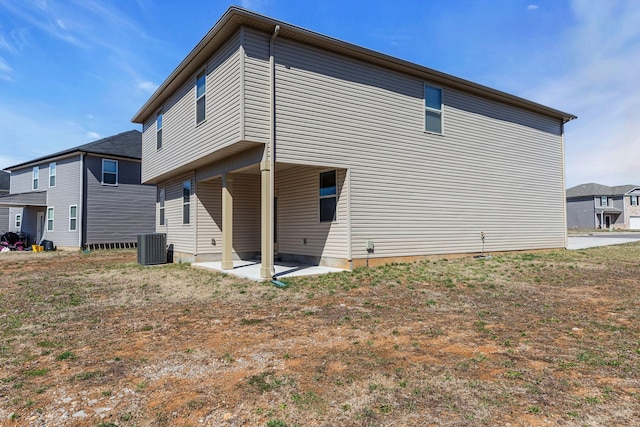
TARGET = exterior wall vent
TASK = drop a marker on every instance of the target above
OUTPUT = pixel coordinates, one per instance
(152, 248)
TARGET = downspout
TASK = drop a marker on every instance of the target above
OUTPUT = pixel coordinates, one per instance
(272, 140)
(83, 202)
(80, 213)
(349, 237)
(564, 188)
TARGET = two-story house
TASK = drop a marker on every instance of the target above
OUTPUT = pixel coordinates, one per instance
(597, 206)
(269, 138)
(4, 212)
(87, 196)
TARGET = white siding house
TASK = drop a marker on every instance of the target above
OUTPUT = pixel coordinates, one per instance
(323, 152)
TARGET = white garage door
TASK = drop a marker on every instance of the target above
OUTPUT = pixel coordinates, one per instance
(634, 222)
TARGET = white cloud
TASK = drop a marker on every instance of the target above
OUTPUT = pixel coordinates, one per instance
(147, 86)
(93, 135)
(4, 67)
(532, 7)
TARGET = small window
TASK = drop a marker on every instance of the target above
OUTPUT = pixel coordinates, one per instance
(603, 201)
(634, 200)
(433, 109)
(49, 219)
(36, 177)
(109, 172)
(328, 196)
(52, 174)
(159, 131)
(18, 221)
(161, 199)
(73, 218)
(201, 89)
(186, 202)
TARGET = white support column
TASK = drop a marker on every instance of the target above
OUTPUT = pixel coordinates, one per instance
(227, 222)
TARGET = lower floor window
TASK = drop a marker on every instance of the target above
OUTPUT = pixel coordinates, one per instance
(73, 218)
(50, 219)
(328, 196)
(186, 202)
(18, 221)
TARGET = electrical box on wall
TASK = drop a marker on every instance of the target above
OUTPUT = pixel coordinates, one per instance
(370, 246)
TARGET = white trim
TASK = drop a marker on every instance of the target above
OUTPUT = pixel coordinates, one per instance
(328, 196)
(431, 109)
(18, 222)
(189, 202)
(202, 71)
(159, 141)
(117, 177)
(35, 177)
(47, 219)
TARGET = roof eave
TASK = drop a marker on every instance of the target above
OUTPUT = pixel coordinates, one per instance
(235, 17)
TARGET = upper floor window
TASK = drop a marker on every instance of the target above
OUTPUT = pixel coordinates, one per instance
(186, 202)
(36, 177)
(73, 218)
(18, 221)
(159, 130)
(603, 201)
(634, 200)
(328, 196)
(433, 109)
(109, 172)
(201, 89)
(52, 174)
(161, 199)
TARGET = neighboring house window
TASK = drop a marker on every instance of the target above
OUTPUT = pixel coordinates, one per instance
(49, 219)
(433, 109)
(161, 199)
(328, 196)
(201, 88)
(109, 172)
(603, 200)
(52, 174)
(18, 221)
(634, 200)
(73, 218)
(36, 176)
(186, 202)
(159, 130)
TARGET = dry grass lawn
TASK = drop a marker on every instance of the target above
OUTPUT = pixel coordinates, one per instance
(545, 339)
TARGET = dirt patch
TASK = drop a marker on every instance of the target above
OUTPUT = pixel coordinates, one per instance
(522, 340)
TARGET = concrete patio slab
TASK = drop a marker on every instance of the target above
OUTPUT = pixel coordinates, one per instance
(251, 269)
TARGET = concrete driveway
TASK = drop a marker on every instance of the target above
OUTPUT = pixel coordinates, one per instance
(583, 241)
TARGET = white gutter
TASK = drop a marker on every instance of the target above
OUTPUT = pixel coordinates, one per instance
(272, 142)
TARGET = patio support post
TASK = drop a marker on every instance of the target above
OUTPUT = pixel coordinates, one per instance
(227, 222)
(266, 214)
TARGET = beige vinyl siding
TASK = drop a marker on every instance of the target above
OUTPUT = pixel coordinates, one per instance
(298, 215)
(256, 86)
(181, 236)
(246, 215)
(497, 168)
(184, 142)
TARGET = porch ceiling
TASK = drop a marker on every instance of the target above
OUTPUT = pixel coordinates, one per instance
(24, 200)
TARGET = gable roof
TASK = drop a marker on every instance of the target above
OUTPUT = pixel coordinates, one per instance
(4, 180)
(236, 17)
(126, 144)
(593, 189)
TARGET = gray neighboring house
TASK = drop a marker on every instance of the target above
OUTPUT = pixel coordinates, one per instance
(86, 196)
(272, 139)
(597, 206)
(4, 212)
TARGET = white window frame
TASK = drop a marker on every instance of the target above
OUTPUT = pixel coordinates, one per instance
(18, 221)
(327, 196)
(439, 111)
(604, 201)
(50, 219)
(103, 172)
(159, 124)
(203, 96)
(35, 182)
(161, 205)
(74, 218)
(634, 201)
(186, 202)
(52, 174)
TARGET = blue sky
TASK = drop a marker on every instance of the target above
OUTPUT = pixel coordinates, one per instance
(72, 71)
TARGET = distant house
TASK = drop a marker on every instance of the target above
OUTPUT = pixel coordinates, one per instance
(271, 138)
(4, 212)
(86, 196)
(598, 206)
